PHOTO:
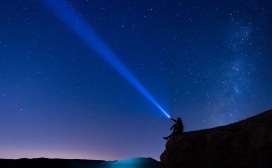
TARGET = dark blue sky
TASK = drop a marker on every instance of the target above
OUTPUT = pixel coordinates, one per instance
(209, 63)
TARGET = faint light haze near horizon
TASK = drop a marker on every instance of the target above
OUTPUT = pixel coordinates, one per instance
(209, 63)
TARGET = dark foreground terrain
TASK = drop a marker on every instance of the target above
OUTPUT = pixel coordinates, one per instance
(247, 143)
(75, 163)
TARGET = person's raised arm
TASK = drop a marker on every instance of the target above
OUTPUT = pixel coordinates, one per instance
(173, 119)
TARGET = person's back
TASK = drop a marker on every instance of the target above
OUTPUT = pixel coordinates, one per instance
(179, 127)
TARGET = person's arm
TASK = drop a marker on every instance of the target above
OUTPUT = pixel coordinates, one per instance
(173, 119)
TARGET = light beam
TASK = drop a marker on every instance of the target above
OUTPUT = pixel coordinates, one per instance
(70, 17)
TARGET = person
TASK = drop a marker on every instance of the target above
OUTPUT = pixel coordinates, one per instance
(178, 128)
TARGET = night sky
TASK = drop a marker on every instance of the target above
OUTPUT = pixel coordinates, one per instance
(208, 62)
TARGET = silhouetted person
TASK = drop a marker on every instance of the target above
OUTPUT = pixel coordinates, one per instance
(178, 128)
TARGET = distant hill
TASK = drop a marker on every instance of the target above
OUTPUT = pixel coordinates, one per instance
(76, 163)
(247, 143)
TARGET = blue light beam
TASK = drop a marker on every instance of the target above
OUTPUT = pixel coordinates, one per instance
(84, 31)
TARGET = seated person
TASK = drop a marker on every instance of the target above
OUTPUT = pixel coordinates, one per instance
(178, 128)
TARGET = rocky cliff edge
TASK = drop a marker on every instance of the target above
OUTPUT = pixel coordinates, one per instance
(247, 143)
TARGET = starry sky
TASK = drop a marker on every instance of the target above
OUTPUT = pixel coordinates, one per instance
(208, 62)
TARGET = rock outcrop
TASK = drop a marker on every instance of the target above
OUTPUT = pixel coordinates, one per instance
(247, 143)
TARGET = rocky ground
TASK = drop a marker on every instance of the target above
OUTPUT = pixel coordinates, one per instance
(247, 143)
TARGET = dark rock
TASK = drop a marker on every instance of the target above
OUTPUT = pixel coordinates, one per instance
(247, 143)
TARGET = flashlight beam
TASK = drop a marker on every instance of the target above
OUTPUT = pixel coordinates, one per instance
(83, 30)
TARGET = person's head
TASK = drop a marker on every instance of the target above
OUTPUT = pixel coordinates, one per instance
(179, 119)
